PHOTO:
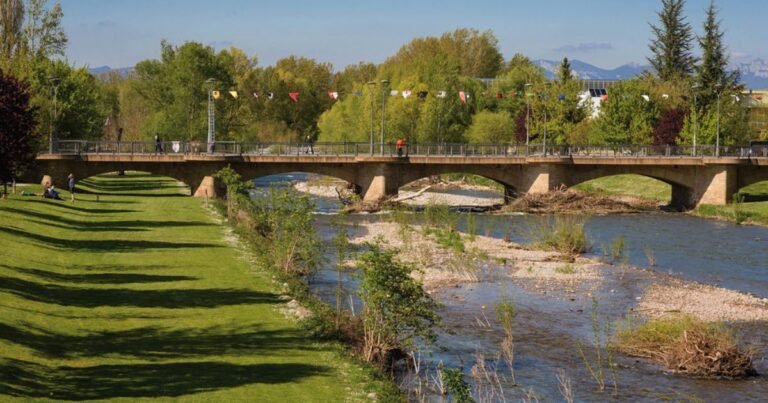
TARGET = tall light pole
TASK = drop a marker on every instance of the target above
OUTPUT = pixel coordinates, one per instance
(371, 84)
(384, 84)
(717, 125)
(527, 117)
(211, 116)
(55, 90)
(695, 119)
(544, 96)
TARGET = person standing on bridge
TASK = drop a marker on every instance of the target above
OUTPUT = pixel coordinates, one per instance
(158, 144)
(399, 144)
(310, 150)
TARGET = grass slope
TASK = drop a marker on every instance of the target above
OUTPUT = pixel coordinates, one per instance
(139, 295)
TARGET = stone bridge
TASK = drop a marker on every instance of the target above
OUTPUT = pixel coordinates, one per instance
(694, 180)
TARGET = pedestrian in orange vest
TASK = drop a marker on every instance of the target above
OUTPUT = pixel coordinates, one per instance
(399, 144)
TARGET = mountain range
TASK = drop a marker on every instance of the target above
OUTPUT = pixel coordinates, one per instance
(754, 73)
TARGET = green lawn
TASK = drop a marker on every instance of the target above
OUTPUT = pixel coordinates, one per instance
(139, 295)
(754, 208)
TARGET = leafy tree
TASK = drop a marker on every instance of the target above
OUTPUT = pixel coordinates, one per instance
(672, 42)
(491, 127)
(43, 35)
(11, 20)
(396, 309)
(626, 116)
(669, 126)
(17, 135)
(521, 123)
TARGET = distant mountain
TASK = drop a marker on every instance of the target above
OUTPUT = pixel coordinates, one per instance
(587, 71)
(97, 71)
(754, 74)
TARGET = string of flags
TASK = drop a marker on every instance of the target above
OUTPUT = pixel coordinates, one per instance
(463, 96)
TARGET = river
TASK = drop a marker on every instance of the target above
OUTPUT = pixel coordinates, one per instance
(549, 328)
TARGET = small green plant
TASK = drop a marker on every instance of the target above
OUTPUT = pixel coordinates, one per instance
(456, 385)
(505, 314)
(617, 249)
(739, 215)
(471, 226)
(650, 256)
(603, 356)
(566, 269)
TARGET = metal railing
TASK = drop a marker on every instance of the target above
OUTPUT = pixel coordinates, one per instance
(77, 147)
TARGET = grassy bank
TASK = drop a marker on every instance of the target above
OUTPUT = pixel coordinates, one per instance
(752, 209)
(141, 295)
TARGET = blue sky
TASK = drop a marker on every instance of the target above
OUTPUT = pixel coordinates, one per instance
(607, 33)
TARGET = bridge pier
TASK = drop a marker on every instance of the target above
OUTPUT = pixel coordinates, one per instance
(378, 181)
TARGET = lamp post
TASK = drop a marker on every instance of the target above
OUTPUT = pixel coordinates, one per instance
(371, 84)
(717, 124)
(211, 116)
(544, 96)
(695, 120)
(527, 117)
(384, 84)
(55, 90)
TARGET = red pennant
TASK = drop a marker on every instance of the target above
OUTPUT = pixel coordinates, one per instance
(463, 96)
(499, 95)
(294, 96)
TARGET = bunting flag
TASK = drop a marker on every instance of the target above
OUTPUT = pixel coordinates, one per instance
(604, 98)
(665, 96)
(216, 94)
(255, 94)
(736, 98)
(423, 94)
(393, 92)
(294, 96)
(499, 95)
(406, 94)
(358, 93)
(561, 97)
(233, 93)
(646, 98)
(463, 96)
(270, 95)
(333, 95)
(441, 94)
(107, 122)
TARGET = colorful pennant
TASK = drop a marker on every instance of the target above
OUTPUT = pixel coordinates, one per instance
(233, 93)
(294, 96)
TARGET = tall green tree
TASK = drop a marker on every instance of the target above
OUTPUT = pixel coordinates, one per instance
(11, 21)
(712, 74)
(626, 117)
(672, 42)
(17, 136)
(565, 72)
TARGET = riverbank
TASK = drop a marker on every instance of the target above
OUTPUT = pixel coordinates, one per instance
(140, 294)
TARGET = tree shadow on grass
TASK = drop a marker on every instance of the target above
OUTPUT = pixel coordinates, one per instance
(101, 278)
(153, 343)
(102, 245)
(78, 208)
(99, 297)
(25, 379)
(96, 226)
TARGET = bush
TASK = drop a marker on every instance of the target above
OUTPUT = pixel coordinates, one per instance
(687, 345)
(562, 233)
(396, 309)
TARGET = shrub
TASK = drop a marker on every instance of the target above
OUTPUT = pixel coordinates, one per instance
(562, 233)
(687, 345)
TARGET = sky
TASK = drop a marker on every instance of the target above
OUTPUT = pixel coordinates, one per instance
(605, 33)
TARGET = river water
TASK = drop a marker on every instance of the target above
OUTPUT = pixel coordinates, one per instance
(548, 330)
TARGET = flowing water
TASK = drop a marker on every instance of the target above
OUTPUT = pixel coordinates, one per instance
(549, 329)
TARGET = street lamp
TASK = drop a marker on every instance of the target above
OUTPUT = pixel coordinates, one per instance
(527, 117)
(384, 84)
(371, 84)
(544, 96)
(211, 116)
(55, 89)
(719, 88)
(695, 87)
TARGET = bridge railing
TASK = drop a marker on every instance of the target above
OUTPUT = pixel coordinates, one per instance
(390, 150)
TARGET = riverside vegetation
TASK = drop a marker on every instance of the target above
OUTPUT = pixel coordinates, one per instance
(141, 294)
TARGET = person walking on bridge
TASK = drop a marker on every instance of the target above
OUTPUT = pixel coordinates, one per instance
(158, 144)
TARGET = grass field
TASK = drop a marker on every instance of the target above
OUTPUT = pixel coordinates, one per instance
(140, 295)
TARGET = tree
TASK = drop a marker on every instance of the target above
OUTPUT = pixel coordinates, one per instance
(43, 36)
(712, 75)
(670, 125)
(672, 42)
(491, 127)
(18, 117)
(626, 117)
(564, 72)
(11, 20)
